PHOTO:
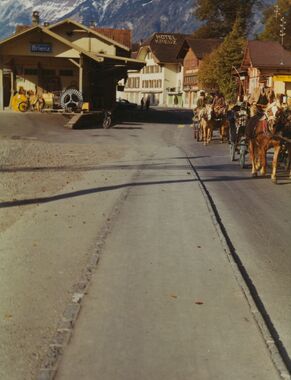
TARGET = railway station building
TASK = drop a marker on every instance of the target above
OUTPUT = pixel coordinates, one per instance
(48, 59)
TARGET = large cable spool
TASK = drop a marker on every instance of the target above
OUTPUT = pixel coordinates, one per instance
(71, 99)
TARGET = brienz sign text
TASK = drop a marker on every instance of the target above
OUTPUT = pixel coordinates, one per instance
(40, 48)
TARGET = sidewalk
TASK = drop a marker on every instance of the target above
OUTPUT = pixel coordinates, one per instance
(164, 303)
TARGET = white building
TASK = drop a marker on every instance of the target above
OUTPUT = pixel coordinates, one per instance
(161, 79)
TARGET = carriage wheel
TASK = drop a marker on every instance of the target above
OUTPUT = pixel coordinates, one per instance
(200, 134)
(194, 131)
(242, 156)
(232, 150)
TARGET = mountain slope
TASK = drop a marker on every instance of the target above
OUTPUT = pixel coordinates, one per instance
(143, 16)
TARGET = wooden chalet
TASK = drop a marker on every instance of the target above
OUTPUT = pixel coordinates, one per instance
(266, 63)
(193, 51)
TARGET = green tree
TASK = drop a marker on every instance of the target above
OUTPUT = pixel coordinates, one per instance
(272, 23)
(216, 70)
(219, 16)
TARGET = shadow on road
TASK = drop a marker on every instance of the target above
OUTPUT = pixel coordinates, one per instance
(24, 202)
(155, 116)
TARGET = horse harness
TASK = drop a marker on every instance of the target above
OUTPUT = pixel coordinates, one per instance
(267, 121)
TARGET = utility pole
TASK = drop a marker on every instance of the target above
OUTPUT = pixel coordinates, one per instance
(277, 11)
(282, 34)
(282, 29)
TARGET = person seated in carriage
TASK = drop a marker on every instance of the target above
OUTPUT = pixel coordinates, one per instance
(200, 105)
(201, 101)
(219, 106)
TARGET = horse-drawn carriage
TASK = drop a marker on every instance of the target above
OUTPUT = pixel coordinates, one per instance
(270, 127)
(238, 117)
(206, 120)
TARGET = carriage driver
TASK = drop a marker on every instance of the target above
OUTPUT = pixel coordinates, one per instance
(260, 99)
(219, 105)
(200, 105)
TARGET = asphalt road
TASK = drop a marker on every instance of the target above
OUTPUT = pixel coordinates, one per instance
(254, 213)
(256, 216)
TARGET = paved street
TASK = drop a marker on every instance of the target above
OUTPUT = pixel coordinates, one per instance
(165, 299)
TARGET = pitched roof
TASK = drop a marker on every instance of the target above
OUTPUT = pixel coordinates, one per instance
(21, 28)
(266, 54)
(203, 46)
(96, 57)
(123, 36)
(89, 30)
(165, 46)
(44, 30)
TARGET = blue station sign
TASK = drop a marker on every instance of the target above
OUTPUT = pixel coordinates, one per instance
(40, 48)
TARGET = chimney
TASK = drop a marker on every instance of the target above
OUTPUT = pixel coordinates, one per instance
(92, 24)
(35, 18)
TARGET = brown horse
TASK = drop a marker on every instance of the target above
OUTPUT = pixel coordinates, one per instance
(206, 124)
(210, 122)
(263, 134)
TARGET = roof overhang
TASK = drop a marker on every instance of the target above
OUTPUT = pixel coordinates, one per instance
(93, 32)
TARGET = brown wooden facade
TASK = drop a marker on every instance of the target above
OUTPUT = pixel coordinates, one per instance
(190, 78)
(193, 52)
(265, 63)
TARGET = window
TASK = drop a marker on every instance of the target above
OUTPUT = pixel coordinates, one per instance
(190, 80)
(133, 83)
(66, 73)
(49, 72)
(30, 71)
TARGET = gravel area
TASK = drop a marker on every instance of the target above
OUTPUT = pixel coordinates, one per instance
(39, 169)
(45, 246)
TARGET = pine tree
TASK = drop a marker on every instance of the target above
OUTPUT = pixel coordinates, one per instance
(219, 16)
(216, 70)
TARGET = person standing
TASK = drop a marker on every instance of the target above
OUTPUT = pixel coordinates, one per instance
(148, 102)
(142, 103)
